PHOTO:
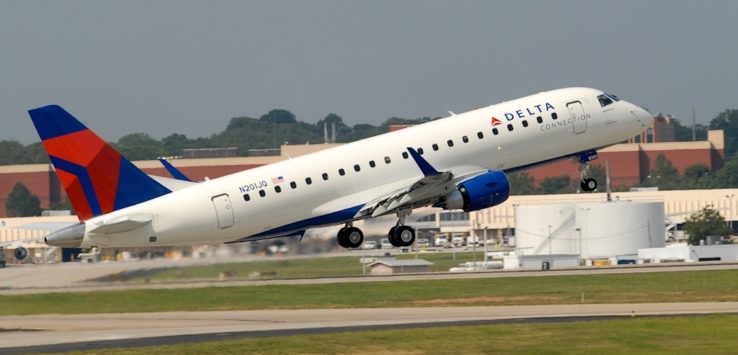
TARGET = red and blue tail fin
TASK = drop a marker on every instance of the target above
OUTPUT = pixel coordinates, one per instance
(97, 179)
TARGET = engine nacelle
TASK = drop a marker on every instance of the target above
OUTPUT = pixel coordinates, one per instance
(489, 189)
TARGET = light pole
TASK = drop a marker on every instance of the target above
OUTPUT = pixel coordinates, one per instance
(581, 246)
(728, 219)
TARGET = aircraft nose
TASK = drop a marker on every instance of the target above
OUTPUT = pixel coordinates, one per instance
(641, 114)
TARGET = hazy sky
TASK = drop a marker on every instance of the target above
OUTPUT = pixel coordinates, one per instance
(189, 66)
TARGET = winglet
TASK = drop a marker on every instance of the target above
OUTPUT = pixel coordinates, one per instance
(176, 173)
(423, 164)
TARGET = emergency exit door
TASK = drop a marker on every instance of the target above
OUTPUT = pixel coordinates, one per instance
(223, 210)
(578, 117)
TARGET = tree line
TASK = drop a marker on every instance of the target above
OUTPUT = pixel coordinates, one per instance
(271, 130)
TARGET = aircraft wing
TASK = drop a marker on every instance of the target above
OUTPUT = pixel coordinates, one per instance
(428, 190)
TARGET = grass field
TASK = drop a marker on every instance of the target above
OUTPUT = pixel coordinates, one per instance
(691, 286)
(297, 268)
(678, 335)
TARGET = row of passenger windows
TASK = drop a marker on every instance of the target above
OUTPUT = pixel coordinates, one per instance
(388, 160)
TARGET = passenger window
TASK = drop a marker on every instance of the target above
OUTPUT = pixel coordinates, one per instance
(510, 127)
(357, 168)
(308, 181)
(435, 146)
(539, 119)
(404, 155)
(325, 176)
(450, 143)
(371, 163)
(262, 193)
(420, 151)
(480, 135)
(293, 184)
(554, 115)
(387, 160)
(495, 131)
(525, 123)
(278, 189)
(246, 197)
(341, 172)
(465, 139)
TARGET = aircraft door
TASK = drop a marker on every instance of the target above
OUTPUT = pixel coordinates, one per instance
(578, 117)
(223, 210)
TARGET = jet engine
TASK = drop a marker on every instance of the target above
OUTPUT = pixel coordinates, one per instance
(486, 190)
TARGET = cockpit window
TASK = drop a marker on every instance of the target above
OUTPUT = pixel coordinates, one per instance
(604, 100)
(613, 97)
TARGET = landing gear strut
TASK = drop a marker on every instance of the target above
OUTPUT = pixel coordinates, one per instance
(350, 237)
(401, 235)
(587, 184)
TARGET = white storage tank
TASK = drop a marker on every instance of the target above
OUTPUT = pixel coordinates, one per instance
(606, 230)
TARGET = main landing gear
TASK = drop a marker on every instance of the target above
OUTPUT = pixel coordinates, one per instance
(587, 184)
(350, 237)
(401, 235)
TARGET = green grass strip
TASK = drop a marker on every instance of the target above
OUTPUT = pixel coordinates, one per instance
(688, 286)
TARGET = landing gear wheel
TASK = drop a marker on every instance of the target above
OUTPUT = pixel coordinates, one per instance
(391, 236)
(588, 184)
(350, 237)
(354, 237)
(403, 236)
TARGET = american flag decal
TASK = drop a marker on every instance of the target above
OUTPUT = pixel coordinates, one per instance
(277, 180)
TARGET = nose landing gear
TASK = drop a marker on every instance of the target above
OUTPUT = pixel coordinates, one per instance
(587, 184)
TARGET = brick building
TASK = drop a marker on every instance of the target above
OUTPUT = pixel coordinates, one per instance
(630, 163)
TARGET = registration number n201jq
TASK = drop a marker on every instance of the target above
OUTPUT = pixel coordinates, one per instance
(253, 186)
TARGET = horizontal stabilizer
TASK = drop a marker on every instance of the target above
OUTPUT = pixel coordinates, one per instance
(120, 225)
(172, 184)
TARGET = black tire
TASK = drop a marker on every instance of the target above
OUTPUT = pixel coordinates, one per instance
(353, 237)
(391, 236)
(589, 184)
(404, 236)
(342, 238)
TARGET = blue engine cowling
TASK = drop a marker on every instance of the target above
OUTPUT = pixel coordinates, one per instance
(482, 191)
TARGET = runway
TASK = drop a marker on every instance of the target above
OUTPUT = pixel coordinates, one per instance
(69, 332)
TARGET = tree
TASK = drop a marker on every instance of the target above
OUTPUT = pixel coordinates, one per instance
(727, 177)
(728, 122)
(521, 184)
(62, 205)
(11, 152)
(555, 185)
(278, 116)
(707, 222)
(696, 176)
(21, 203)
(663, 174)
(140, 146)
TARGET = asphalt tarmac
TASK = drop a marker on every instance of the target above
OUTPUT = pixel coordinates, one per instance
(36, 333)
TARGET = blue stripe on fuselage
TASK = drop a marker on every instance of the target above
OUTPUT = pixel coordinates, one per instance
(337, 217)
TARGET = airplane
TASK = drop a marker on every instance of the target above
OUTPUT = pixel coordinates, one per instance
(457, 162)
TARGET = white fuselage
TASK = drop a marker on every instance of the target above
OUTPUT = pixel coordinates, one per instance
(216, 210)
